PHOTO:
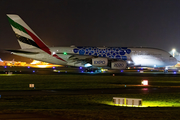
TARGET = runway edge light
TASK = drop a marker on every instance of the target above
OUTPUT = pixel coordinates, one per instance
(144, 82)
(31, 85)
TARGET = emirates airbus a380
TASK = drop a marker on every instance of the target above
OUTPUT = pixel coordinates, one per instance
(89, 57)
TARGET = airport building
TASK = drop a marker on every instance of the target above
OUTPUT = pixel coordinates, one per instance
(34, 63)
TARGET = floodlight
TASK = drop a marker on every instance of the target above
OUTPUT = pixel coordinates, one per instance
(173, 51)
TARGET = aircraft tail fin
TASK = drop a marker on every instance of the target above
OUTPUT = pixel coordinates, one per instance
(25, 35)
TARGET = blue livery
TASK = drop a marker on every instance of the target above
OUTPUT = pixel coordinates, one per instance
(110, 52)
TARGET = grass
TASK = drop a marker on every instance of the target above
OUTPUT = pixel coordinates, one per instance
(89, 106)
(86, 106)
(21, 82)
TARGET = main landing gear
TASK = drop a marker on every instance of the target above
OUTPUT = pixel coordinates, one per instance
(90, 70)
(166, 70)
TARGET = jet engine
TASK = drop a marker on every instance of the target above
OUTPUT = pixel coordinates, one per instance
(104, 62)
(100, 62)
(119, 65)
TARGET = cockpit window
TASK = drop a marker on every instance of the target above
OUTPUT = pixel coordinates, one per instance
(171, 56)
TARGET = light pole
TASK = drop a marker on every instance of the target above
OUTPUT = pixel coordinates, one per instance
(173, 50)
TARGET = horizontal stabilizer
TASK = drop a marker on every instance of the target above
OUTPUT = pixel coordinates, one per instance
(23, 52)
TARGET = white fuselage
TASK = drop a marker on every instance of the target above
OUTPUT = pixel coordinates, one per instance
(147, 57)
(114, 57)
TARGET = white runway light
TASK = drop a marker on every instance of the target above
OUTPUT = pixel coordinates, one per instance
(145, 82)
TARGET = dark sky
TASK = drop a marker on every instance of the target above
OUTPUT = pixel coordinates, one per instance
(148, 23)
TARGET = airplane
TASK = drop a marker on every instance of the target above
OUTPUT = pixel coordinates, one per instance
(93, 58)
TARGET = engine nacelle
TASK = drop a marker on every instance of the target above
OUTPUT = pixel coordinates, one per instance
(99, 62)
(118, 65)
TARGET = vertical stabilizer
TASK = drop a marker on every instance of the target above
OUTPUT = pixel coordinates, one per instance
(25, 35)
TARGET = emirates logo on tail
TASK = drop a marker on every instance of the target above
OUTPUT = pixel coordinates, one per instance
(26, 37)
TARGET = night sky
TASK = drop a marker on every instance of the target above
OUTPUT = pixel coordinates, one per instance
(120, 23)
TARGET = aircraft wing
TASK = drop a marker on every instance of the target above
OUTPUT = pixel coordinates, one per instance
(79, 60)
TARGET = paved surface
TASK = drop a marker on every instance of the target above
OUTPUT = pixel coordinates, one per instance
(124, 90)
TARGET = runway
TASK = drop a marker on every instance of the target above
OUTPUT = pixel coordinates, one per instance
(143, 90)
(75, 70)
